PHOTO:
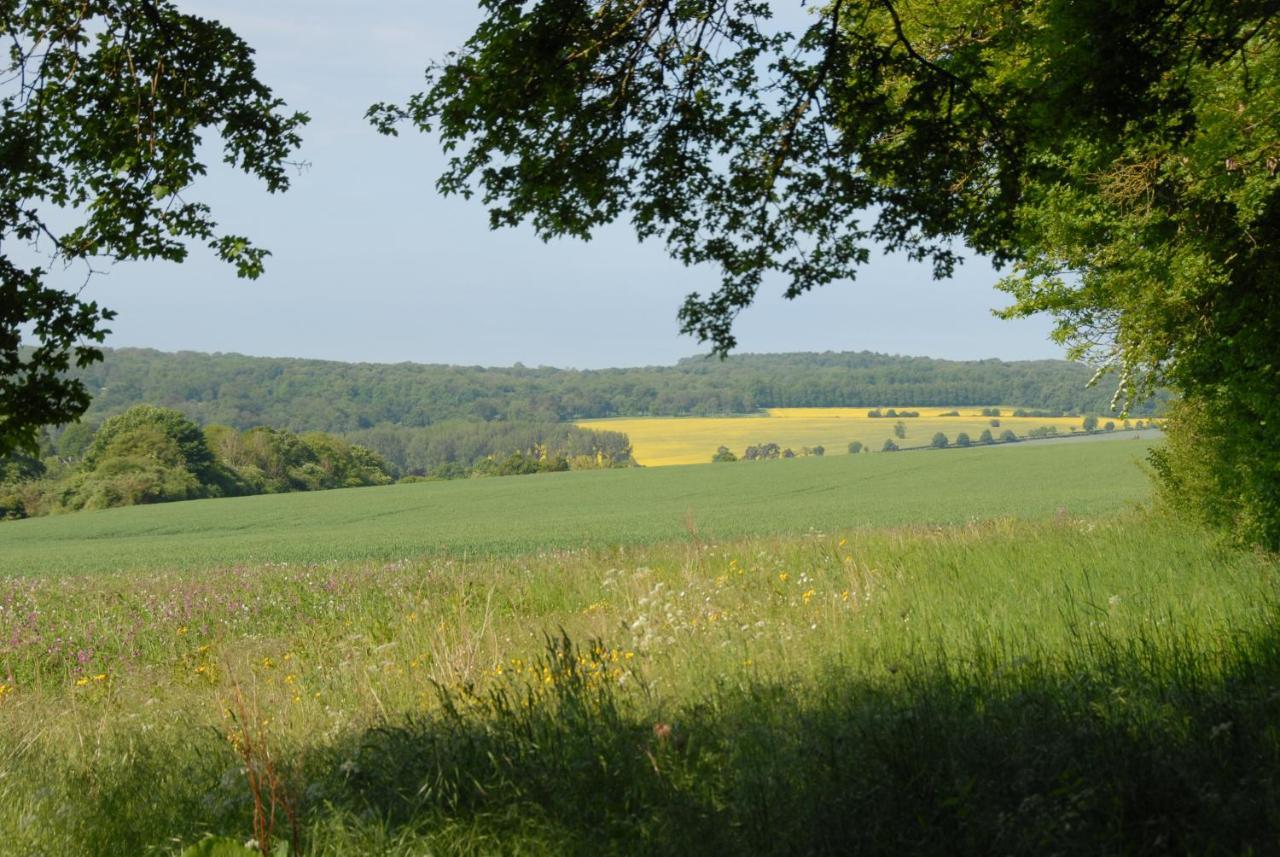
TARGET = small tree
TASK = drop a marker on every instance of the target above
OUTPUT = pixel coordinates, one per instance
(939, 441)
(724, 454)
(962, 439)
(1007, 436)
(819, 450)
(855, 447)
(788, 453)
(985, 437)
(1110, 426)
(900, 430)
(1090, 423)
(995, 424)
(889, 446)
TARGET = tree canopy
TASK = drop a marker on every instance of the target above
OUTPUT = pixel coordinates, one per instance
(103, 108)
(1120, 158)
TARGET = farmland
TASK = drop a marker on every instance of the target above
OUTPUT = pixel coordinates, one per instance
(905, 687)
(585, 509)
(964, 647)
(664, 441)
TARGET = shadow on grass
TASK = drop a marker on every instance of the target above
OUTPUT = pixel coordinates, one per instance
(1126, 749)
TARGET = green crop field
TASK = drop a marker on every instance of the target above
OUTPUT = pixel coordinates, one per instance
(999, 651)
(586, 509)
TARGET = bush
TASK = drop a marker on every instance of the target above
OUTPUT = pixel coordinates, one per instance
(962, 439)
(1220, 465)
(950, 414)
(995, 424)
(900, 430)
(1007, 436)
(1110, 426)
(1090, 423)
(986, 437)
(855, 447)
(889, 446)
(939, 441)
(723, 454)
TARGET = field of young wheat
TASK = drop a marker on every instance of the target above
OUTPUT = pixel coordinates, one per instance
(514, 516)
(664, 441)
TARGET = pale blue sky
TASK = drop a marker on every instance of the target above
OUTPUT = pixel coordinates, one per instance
(371, 264)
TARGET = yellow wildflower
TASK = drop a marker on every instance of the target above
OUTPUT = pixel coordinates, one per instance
(784, 577)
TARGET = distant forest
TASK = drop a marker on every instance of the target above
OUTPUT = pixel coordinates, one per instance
(315, 395)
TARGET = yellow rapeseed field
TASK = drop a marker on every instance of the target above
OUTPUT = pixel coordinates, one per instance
(662, 441)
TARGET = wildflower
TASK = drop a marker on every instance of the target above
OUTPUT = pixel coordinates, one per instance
(267, 663)
(843, 542)
(784, 577)
(807, 596)
(80, 682)
(100, 677)
(182, 631)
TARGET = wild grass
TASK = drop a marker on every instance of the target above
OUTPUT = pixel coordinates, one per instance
(591, 509)
(1074, 685)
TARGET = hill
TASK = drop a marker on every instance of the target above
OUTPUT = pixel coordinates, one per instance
(316, 395)
(585, 509)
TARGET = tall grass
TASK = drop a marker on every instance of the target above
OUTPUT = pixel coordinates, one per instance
(1070, 686)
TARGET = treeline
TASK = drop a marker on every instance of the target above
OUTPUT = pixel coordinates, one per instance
(157, 455)
(456, 448)
(315, 395)
(154, 455)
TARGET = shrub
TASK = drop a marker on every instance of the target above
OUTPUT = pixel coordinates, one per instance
(939, 441)
(900, 430)
(1007, 436)
(986, 437)
(889, 446)
(962, 439)
(724, 454)
(855, 446)
(995, 424)
(1090, 423)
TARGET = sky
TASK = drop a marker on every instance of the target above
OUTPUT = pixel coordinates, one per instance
(369, 263)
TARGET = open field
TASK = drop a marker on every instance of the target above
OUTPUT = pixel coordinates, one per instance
(590, 508)
(1071, 686)
(662, 441)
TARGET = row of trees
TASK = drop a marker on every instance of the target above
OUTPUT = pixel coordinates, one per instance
(767, 452)
(152, 455)
(156, 455)
(313, 395)
(458, 448)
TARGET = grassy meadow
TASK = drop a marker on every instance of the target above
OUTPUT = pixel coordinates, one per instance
(585, 509)
(966, 652)
(664, 441)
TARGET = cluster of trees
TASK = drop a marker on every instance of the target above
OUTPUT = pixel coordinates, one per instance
(768, 451)
(460, 448)
(876, 413)
(155, 455)
(150, 454)
(314, 395)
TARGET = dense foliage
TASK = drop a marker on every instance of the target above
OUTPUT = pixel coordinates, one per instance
(105, 107)
(500, 448)
(314, 395)
(1122, 157)
(156, 455)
